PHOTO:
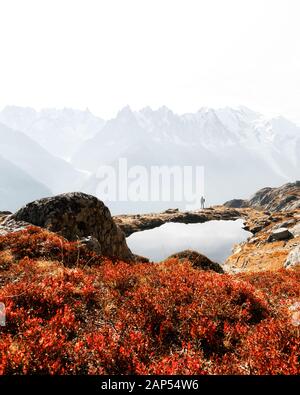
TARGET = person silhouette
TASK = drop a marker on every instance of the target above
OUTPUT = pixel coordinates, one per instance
(202, 202)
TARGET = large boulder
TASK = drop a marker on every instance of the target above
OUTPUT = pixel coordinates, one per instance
(78, 216)
(197, 260)
(280, 234)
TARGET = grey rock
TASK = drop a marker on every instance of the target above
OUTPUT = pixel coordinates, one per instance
(293, 258)
(9, 225)
(253, 240)
(4, 213)
(296, 230)
(198, 260)
(280, 234)
(257, 226)
(285, 224)
(141, 259)
(171, 210)
(256, 229)
(92, 244)
(237, 203)
(76, 216)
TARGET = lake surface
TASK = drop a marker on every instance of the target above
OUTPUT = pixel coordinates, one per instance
(215, 239)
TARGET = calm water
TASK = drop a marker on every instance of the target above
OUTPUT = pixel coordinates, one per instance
(215, 239)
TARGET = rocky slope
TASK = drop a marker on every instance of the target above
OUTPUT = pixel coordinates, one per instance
(284, 198)
(273, 216)
(274, 244)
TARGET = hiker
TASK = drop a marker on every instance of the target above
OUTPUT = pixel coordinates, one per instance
(202, 202)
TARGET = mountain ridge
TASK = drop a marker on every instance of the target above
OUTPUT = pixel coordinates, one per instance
(215, 139)
(25, 153)
(69, 126)
(240, 149)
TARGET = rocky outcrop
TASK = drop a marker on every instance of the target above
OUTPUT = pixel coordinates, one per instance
(255, 224)
(295, 230)
(197, 260)
(280, 234)
(4, 213)
(276, 236)
(284, 198)
(293, 258)
(9, 225)
(78, 216)
(237, 203)
(135, 223)
(273, 216)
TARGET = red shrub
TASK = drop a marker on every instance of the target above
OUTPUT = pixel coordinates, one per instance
(37, 243)
(119, 318)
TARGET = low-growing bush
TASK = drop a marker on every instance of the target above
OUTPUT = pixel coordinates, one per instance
(65, 316)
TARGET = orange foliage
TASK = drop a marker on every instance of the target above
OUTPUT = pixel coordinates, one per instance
(67, 316)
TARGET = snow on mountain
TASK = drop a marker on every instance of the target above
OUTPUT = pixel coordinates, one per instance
(60, 132)
(17, 187)
(211, 129)
(53, 172)
(239, 148)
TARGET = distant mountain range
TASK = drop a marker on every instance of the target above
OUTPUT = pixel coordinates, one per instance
(240, 149)
(17, 186)
(60, 132)
(53, 172)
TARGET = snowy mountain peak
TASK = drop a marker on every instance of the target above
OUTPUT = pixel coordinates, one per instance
(163, 110)
(240, 149)
(125, 111)
(59, 131)
(146, 110)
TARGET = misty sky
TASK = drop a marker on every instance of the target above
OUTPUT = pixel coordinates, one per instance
(181, 53)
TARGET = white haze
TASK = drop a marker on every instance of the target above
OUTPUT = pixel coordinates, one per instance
(104, 54)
